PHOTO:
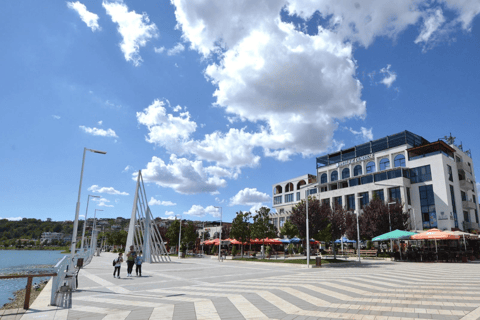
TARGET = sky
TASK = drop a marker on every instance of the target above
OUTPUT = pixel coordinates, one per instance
(216, 101)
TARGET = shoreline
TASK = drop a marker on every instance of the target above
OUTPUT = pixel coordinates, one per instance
(19, 296)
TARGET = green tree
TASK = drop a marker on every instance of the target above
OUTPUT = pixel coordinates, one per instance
(289, 229)
(261, 227)
(241, 228)
(189, 233)
(317, 217)
(172, 233)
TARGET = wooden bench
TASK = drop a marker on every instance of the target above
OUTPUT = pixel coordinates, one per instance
(368, 253)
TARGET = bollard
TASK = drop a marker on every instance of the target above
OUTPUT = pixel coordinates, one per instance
(318, 262)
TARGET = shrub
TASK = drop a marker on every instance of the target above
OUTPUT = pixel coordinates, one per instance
(290, 248)
(214, 250)
(234, 251)
(300, 250)
(268, 250)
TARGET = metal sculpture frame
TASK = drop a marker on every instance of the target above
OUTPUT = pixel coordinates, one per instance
(143, 232)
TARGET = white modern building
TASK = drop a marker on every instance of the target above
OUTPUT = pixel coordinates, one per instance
(435, 181)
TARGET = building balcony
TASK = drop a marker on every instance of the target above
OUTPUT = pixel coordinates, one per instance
(467, 205)
(470, 225)
(466, 185)
(464, 166)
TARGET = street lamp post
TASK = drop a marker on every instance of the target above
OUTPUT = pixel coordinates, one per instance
(179, 236)
(390, 223)
(85, 222)
(94, 237)
(358, 232)
(220, 239)
(77, 209)
(308, 233)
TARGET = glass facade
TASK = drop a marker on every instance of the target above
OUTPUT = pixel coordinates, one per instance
(384, 164)
(420, 174)
(351, 202)
(289, 197)
(337, 200)
(345, 173)
(379, 194)
(334, 176)
(323, 178)
(277, 200)
(427, 203)
(364, 199)
(370, 168)
(394, 194)
(454, 206)
(357, 171)
(399, 161)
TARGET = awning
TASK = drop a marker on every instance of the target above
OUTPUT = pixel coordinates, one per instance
(394, 235)
(435, 234)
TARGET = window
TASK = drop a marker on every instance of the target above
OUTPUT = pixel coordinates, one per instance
(323, 189)
(409, 201)
(427, 203)
(357, 171)
(326, 201)
(366, 179)
(384, 164)
(337, 200)
(334, 176)
(420, 174)
(379, 194)
(282, 211)
(464, 196)
(351, 202)
(282, 221)
(370, 167)
(277, 200)
(380, 176)
(289, 197)
(476, 215)
(323, 178)
(450, 174)
(345, 173)
(274, 221)
(474, 199)
(394, 194)
(278, 189)
(394, 174)
(363, 199)
(452, 196)
(312, 191)
(289, 187)
(466, 216)
(354, 182)
(399, 161)
(298, 196)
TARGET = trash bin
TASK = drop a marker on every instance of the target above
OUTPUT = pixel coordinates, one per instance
(318, 261)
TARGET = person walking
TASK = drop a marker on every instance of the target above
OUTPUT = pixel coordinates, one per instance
(138, 264)
(118, 264)
(131, 256)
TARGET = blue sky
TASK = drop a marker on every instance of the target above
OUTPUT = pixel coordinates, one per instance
(216, 101)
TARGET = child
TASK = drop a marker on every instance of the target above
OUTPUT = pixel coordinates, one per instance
(138, 264)
(118, 264)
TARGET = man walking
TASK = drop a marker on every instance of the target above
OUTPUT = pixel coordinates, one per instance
(131, 256)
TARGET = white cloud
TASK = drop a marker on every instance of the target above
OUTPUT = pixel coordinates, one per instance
(183, 176)
(219, 200)
(13, 218)
(199, 211)
(176, 49)
(250, 197)
(177, 108)
(165, 129)
(108, 190)
(99, 132)
(170, 214)
(127, 168)
(135, 29)
(90, 18)
(155, 202)
(100, 122)
(365, 133)
(102, 202)
(389, 76)
(56, 117)
(159, 50)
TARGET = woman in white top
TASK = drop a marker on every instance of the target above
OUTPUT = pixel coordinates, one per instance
(118, 264)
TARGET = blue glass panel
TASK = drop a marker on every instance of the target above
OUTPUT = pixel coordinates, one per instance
(367, 179)
(370, 168)
(380, 176)
(323, 178)
(334, 176)
(348, 155)
(384, 164)
(345, 173)
(399, 161)
(357, 171)
(363, 149)
(396, 140)
(379, 145)
(353, 182)
(394, 174)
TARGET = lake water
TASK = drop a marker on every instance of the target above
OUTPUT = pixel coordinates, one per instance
(24, 261)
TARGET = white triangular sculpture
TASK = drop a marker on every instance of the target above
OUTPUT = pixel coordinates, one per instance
(143, 233)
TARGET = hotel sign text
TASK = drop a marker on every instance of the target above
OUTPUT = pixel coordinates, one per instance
(362, 158)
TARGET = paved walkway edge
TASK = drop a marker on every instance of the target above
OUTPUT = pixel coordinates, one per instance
(40, 308)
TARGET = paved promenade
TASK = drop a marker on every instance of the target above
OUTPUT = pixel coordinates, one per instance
(206, 289)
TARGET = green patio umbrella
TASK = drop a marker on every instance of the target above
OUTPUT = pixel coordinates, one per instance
(394, 235)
